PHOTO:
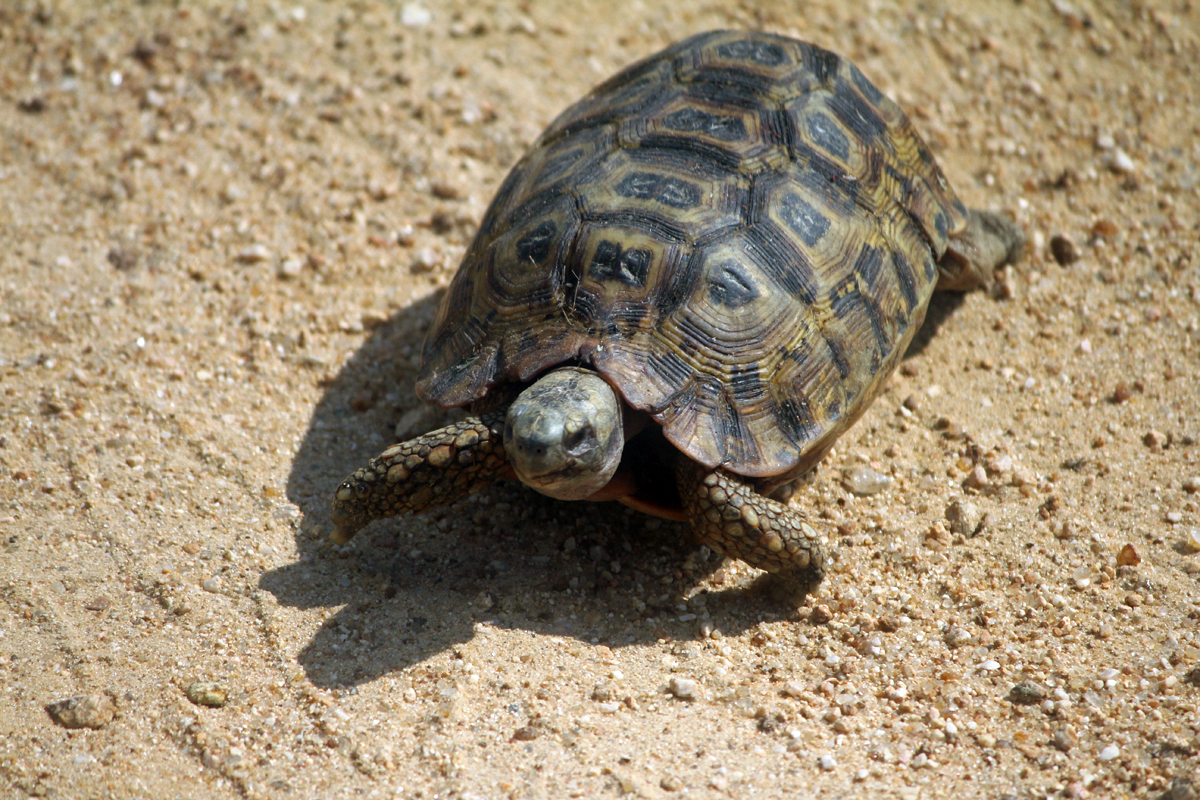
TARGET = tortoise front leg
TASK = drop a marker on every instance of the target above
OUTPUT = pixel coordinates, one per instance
(432, 470)
(731, 517)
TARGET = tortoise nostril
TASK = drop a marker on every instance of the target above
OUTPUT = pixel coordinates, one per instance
(577, 436)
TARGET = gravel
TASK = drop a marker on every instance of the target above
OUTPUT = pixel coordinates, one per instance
(83, 711)
(175, 415)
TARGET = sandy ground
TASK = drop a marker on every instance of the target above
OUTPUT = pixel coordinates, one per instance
(222, 234)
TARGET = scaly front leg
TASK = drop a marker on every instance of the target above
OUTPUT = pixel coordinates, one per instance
(432, 470)
(731, 517)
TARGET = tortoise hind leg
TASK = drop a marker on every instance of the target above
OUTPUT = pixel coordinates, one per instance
(432, 470)
(989, 241)
(731, 517)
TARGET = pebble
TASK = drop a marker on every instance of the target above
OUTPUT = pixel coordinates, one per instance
(1181, 789)
(820, 614)
(1191, 540)
(102, 603)
(425, 260)
(605, 692)
(254, 254)
(1191, 485)
(1128, 557)
(415, 15)
(957, 637)
(526, 734)
(1154, 440)
(1064, 249)
(1027, 693)
(999, 463)
(207, 693)
(827, 762)
(977, 477)
(684, 688)
(1023, 476)
(1063, 740)
(863, 481)
(445, 190)
(1121, 163)
(672, 783)
(83, 711)
(291, 268)
(1110, 752)
(964, 517)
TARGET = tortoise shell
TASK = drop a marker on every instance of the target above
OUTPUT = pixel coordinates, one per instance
(739, 233)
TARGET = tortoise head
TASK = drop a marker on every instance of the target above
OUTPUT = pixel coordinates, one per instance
(563, 434)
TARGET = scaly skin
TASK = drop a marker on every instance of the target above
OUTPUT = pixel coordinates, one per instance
(989, 241)
(435, 469)
(731, 517)
(445, 465)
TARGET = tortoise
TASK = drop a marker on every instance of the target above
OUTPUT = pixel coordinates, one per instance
(695, 280)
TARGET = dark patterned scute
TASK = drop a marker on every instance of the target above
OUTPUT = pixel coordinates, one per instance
(740, 233)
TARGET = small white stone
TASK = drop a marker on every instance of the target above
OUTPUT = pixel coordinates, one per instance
(827, 762)
(254, 254)
(291, 268)
(1110, 752)
(1122, 163)
(957, 637)
(999, 463)
(425, 259)
(684, 688)
(415, 15)
(1191, 540)
(863, 481)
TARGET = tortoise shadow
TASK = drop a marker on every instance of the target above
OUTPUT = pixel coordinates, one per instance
(411, 587)
(941, 307)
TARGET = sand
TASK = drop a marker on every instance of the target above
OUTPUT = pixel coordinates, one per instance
(223, 230)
